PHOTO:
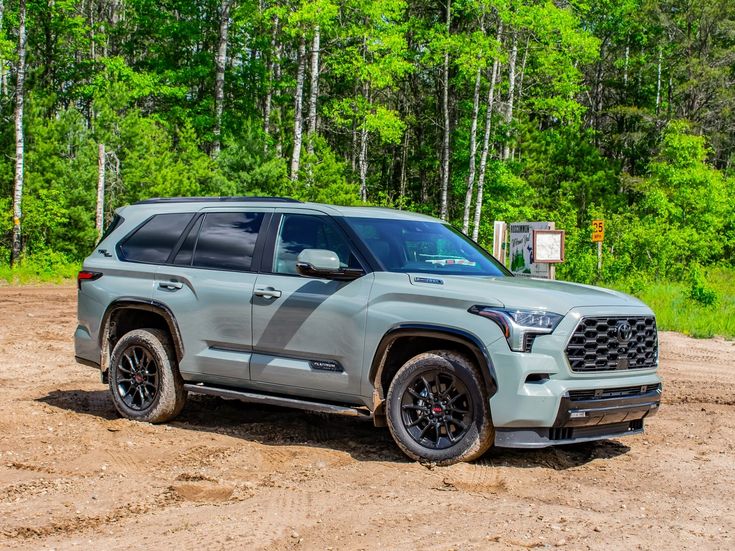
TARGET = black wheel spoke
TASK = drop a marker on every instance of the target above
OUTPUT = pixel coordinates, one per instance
(425, 430)
(449, 432)
(416, 422)
(459, 424)
(416, 395)
(430, 394)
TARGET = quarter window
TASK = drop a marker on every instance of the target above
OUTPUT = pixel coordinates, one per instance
(227, 240)
(154, 240)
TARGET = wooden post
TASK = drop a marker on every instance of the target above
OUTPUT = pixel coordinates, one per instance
(599, 258)
(100, 219)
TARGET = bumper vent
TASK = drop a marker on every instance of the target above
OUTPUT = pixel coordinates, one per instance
(613, 343)
(608, 393)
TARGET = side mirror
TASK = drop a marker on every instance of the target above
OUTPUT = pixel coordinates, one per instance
(324, 263)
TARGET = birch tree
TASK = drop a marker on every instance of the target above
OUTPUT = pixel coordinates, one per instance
(489, 107)
(219, 82)
(19, 137)
(446, 130)
(298, 109)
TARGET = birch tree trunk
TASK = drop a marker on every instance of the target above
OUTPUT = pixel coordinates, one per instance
(511, 92)
(100, 215)
(219, 81)
(313, 90)
(519, 94)
(486, 142)
(444, 202)
(362, 162)
(279, 122)
(271, 76)
(473, 152)
(3, 74)
(404, 159)
(298, 108)
(19, 141)
(658, 80)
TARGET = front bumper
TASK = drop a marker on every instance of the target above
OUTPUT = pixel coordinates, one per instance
(541, 402)
(583, 417)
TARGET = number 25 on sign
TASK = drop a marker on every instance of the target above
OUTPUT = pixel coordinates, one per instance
(598, 231)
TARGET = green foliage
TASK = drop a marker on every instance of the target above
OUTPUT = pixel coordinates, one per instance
(699, 291)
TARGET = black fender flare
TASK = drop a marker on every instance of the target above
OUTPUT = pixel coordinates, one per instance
(148, 305)
(470, 340)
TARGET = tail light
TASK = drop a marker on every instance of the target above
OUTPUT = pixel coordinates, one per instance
(86, 275)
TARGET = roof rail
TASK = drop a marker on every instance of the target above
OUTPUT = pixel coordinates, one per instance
(231, 199)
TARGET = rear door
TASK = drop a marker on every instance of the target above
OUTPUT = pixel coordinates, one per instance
(308, 333)
(208, 285)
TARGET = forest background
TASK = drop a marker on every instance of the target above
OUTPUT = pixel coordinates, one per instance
(471, 110)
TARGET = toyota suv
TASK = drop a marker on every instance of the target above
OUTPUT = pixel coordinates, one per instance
(376, 313)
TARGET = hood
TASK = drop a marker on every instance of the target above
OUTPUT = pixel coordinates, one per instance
(531, 293)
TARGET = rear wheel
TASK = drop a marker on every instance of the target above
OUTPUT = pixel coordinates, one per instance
(437, 409)
(145, 382)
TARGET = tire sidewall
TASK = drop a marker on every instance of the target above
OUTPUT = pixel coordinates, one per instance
(476, 434)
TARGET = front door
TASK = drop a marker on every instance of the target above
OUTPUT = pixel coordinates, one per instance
(309, 333)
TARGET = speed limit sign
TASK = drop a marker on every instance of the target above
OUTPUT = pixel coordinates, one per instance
(598, 231)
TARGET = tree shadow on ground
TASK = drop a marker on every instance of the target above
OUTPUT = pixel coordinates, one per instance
(277, 426)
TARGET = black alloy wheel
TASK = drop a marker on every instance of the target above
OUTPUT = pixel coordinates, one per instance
(138, 381)
(436, 409)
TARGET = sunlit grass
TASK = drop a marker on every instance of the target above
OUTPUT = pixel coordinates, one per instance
(31, 271)
(675, 311)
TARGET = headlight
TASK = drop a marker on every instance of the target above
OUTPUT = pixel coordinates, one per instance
(518, 325)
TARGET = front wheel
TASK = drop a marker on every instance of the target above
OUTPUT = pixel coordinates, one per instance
(437, 409)
(145, 382)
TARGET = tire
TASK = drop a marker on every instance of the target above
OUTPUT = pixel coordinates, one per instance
(145, 382)
(443, 427)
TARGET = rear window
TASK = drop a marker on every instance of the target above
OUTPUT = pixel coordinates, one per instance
(154, 240)
(227, 240)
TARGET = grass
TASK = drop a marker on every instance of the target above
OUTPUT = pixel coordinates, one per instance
(34, 271)
(675, 311)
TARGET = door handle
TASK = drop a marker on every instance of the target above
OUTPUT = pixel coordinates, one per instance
(267, 292)
(170, 285)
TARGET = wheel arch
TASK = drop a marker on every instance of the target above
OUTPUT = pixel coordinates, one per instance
(403, 341)
(136, 313)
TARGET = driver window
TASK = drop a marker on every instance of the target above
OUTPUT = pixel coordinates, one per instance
(305, 231)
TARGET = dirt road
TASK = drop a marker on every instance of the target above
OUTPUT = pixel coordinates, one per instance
(235, 476)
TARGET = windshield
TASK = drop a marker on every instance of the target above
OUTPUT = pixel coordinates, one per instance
(425, 247)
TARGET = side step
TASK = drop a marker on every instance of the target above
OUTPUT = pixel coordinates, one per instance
(269, 399)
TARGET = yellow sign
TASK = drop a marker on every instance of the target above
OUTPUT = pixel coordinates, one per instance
(598, 231)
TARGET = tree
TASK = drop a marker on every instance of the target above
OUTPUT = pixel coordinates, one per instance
(19, 136)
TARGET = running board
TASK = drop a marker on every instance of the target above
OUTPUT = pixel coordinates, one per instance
(269, 399)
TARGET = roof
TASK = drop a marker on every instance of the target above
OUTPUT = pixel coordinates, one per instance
(174, 204)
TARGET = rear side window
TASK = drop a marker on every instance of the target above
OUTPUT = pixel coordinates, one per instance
(154, 240)
(227, 240)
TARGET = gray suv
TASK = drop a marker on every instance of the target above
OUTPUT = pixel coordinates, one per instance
(369, 312)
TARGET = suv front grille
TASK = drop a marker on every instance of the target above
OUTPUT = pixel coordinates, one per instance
(613, 343)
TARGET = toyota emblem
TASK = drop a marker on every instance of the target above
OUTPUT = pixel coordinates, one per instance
(623, 331)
